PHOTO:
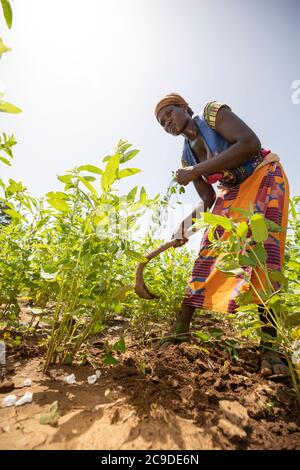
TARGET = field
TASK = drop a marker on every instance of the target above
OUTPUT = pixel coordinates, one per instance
(69, 307)
(80, 362)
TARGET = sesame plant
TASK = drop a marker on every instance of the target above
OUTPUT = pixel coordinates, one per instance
(242, 253)
(166, 276)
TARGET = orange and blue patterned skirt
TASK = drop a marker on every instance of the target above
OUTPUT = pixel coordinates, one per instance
(268, 190)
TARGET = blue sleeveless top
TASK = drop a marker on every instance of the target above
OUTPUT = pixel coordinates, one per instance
(214, 141)
(217, 144)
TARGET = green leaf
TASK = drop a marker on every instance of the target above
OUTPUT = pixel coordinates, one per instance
(120, 292)
(3, 47)
(242, 230)
(65, 178)
(128, 156)
(202, 335)
(216, 220)
(7, 12)
(293, 319)
(293, 209)
(216, 332)
(109, 359)
(210, 234)
(275, 303)
(6, 107)
(240, 211)
(143, 196)
(4, 160)
(52, 417)
(56, 195)
(91, 169)
(88, 185)
(59, 204)
(120, 345)
(89, 178)
(49, 274)
(122, 147)
(110, 172)
(131, 195)
(247, 261)
(278, 276)
(127, 172)
(136, 256)
(259, 228)
(14, 214)
(260, 253)
(273, 227)
(37, 311)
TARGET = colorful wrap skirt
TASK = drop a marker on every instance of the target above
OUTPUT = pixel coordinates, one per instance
(268, 190)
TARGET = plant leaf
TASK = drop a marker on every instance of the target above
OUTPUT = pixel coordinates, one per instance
(136, 256)
(88, 185)
(120, 345)
(129, 155)
(6, 107)
(242, 230)
(3, 47)
(259, 228)
(215, 220)
(59, 204)
(109, 359)
(127, 172)
(110, 172)
(91, 169)
(7, 12)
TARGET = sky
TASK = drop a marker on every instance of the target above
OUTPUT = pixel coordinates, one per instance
(87, 74)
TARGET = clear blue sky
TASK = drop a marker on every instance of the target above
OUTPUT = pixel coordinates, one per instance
(88, 73)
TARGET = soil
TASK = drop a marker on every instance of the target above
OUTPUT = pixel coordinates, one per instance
(179, 398)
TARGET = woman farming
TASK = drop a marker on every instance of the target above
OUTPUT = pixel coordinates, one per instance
(220, 147)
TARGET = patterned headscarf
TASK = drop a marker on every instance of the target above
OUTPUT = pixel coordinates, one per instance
(173, 99)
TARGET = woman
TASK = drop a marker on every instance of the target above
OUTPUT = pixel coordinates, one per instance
(220, 147)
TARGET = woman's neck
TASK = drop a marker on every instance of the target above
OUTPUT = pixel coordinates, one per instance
(191, 131)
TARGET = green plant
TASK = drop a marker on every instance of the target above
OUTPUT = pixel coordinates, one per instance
(52, 416)
(241, 247)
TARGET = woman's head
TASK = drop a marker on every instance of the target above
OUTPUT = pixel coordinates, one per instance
(173, 113)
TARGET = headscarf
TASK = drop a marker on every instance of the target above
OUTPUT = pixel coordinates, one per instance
(173, 99)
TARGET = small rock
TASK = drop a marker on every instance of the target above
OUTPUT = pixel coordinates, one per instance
(116, 417)
(230, 429)
(201, 398)
(5, 428)
(190, 352)
(186, 393)
(27, 383)
(92, 379)
(201, 364)
(220, 384)
(235, 412)
(256, 404)
(6, 386)
(70, 379)
(292, 427)
(10, 400)
(26, 398)
(172, 382)
(110, 394)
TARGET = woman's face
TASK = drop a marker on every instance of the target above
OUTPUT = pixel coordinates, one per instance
(173, 119)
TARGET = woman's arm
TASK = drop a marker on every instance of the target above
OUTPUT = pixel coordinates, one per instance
(208, 196)
(245, 144)
(206, 192)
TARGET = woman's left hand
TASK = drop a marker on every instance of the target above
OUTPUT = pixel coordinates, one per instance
(185, 175)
